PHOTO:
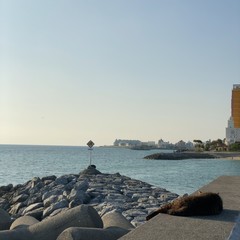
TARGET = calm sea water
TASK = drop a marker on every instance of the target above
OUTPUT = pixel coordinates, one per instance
(19, 164)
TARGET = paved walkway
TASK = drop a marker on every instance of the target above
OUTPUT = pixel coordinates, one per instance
(218, 227)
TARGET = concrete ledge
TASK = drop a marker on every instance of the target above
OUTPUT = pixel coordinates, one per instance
(219, 227)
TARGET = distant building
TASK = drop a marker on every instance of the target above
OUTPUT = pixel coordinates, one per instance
(133, 144)
(164, 145)
(189, 145)
(181, 145)
(149, 144)
(126, 143)
(233, 128)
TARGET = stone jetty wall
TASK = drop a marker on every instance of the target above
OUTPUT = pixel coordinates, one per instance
(181, 156)
(45, 198)
(193, 155)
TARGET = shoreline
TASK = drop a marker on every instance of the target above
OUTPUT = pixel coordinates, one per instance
(228, 155)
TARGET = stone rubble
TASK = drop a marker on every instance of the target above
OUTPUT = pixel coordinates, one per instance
(45, 197)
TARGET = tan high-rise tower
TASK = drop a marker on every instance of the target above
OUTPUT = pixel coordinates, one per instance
(233, 129)
(236, 105)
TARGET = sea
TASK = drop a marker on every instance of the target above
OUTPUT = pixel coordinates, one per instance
(20, 163)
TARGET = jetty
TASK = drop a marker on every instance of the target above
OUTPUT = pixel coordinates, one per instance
(100, 206)
(219, 227)
(193, 155)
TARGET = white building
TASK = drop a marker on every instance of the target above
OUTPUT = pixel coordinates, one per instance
(149, 144)
(232, 134)
(164, 145)
(189, 145)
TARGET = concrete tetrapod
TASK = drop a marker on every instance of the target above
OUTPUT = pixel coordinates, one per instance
(49, 229)
(5, 220)
(115, 226)
(116, 219)
(23, 221)
(77, 233)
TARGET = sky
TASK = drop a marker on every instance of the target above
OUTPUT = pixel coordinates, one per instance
(71, 71)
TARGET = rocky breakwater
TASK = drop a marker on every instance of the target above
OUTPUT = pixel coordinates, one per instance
(181, 156)
(44, 199)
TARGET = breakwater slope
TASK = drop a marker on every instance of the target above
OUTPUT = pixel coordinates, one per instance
(48, 196)
(181, 156)
(193, 155)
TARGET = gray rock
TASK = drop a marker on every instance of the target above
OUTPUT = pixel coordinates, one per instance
(49, 178)
(52, 199)
(33, 190)
(50, 185)
(32, 207)
(6, 188)
(79, 195)
(62, 180)
(21, 190)
(16, 187)
(135, 212)
(5, 220)
(47, 182)
(51, 193)
(138, 221)
(16, 207)
(20, 198)
(34, 199)
(36, 213)
(71, 185)
(39, 185)
(75, 202)
(96, 198)
(82, 185)
(35, 181)
(143, 199)
(90, 171)
(4, 204)
(105, 192)
(57, 211)
(61, 204)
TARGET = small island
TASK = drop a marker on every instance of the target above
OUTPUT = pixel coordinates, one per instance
(193, 155)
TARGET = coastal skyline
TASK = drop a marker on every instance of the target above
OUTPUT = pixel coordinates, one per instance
(106, 70)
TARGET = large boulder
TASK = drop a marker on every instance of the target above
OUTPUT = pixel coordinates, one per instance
(5, 220)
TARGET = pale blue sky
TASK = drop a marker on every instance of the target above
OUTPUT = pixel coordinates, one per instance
(71, 71)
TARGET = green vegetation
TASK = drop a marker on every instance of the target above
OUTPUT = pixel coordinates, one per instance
(199, 145)
(234, 146)
(215, 145)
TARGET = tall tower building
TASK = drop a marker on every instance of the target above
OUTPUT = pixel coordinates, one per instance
(236, 105)
(233, 129)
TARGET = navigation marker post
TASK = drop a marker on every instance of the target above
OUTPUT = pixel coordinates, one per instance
(90, 145)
